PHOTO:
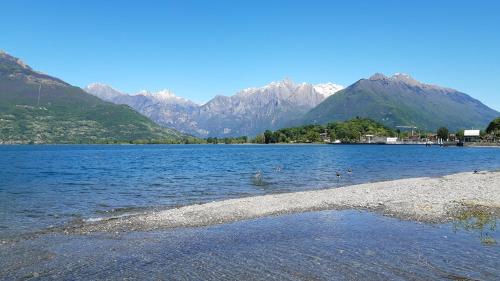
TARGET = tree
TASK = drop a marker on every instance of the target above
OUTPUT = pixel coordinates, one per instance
(259, 139)
(443, 133)
(313, 136)
(269, 137)
(494, 126)
(332, 135)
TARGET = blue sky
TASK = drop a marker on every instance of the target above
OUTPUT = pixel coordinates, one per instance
(200, 49)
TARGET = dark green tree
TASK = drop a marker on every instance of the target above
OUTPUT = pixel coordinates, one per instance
(443, 133)
(259, 139)
(494, 126)
(268, 136)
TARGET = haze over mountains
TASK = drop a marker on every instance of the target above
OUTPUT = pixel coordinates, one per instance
(38, 108)
(248, 112)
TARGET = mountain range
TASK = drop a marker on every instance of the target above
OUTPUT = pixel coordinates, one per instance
(38, 108)
(398, 100)
(248, 112)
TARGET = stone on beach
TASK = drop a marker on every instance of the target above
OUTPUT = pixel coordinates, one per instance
(422, 199)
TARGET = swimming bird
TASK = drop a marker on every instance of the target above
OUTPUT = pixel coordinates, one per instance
(338, 175)
(349, 171)
(257, 178)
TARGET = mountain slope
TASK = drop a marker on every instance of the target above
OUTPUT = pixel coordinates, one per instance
(254, 110)
(249, 112)
(162, 107)
(38, 108)
(401, 101)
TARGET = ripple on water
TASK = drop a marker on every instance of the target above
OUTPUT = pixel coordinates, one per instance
(311, 246)
(77, 178)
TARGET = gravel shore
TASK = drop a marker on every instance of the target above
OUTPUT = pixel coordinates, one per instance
(421, 199)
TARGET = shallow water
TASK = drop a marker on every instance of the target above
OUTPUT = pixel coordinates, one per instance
(42, 186)
(327, 245)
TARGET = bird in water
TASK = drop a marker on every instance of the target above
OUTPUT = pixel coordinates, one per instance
(349, 171)
(338, 175)
(257, 178)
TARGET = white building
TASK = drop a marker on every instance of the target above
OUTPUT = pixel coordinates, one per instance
(471, 135)
(392, 140)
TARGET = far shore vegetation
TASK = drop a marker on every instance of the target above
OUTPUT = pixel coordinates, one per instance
(350, 131)
(347, 131)
(353, 131)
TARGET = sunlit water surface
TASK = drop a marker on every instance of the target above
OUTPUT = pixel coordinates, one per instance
(327, 245)
(43, 186)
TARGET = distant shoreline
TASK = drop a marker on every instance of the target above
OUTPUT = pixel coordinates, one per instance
(421, 199)
(250, 143)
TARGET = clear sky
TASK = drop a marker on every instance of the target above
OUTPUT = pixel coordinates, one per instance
(202, 48)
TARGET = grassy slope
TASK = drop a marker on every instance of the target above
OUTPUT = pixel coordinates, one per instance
(403, 107)
(67, 114)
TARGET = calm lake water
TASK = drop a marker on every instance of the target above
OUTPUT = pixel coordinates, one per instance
(43, 186)
(327, 245)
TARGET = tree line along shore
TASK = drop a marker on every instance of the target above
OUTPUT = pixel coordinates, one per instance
(356, 131)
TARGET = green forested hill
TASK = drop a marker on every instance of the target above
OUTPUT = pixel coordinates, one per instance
(402, 101)
(37, 108)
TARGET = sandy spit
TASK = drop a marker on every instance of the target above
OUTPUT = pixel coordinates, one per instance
(421, 199)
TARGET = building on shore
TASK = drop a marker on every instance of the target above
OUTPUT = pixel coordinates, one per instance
(378, 139)
(472, 135)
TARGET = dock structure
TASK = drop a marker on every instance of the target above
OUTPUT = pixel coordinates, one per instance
(412, 128)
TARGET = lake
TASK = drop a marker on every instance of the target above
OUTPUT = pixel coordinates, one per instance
(45, 186)
(42, 186)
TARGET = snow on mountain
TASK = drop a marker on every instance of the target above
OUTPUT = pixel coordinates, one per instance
(248, 112)
(327, 89)
(166, 96)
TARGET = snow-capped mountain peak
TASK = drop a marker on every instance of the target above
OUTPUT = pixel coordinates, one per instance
(327, 89)
(248, 112)
(165, 96)
(275, 85)
(285, 83)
